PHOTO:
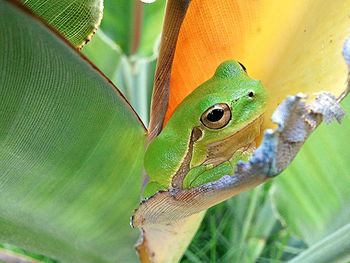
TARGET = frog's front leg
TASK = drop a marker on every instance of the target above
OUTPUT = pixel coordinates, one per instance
(203, 174)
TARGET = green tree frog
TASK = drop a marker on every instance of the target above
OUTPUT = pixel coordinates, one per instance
(210, 131)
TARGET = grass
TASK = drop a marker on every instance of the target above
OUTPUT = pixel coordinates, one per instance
(243, 229)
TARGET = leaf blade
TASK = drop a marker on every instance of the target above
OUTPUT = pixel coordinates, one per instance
(68, 184)
(76, 20)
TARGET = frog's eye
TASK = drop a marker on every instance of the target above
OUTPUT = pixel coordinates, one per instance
(243, 67)
(251, 94)
(217, 116)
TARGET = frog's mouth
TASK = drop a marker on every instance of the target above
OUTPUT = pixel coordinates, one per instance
(243, 140)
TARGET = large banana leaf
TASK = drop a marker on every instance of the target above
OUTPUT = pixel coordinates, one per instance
(76, 20)
(71, 148)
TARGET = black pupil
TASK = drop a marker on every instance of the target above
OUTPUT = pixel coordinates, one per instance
(215, 115)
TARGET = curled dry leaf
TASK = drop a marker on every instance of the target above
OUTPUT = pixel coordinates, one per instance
(175, 14)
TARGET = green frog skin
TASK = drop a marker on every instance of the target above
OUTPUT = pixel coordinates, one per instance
(210, 131)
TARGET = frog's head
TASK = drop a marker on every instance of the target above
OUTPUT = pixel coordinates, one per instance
(224, 113)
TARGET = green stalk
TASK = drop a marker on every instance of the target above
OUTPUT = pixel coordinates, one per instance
(334, 248)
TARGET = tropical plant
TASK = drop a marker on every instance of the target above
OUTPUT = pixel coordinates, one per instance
(72, 147)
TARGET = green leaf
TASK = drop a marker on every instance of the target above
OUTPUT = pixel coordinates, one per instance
(71, 149)
(133, 76)
(333, 248)
(312, 195)
(105, 54)
(133, 25)
(151, 26)
(136, 77)
(76, 20)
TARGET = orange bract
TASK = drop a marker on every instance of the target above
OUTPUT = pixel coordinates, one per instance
(292, 46)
